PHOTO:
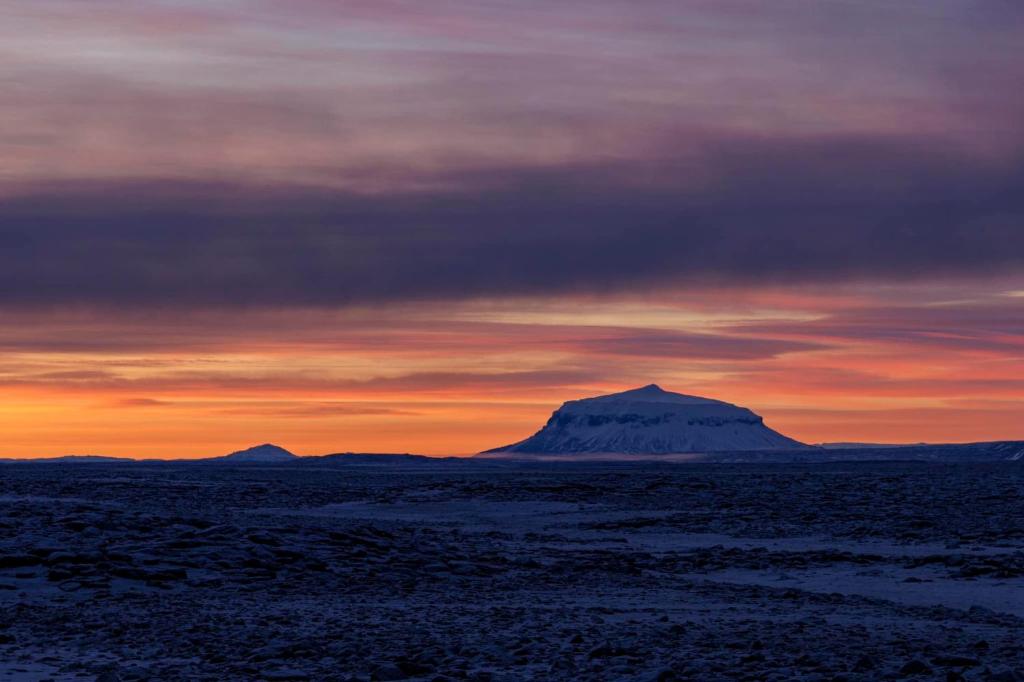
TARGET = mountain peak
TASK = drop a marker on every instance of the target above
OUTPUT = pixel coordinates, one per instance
(652, 393)
(649, 389)
(267, 452)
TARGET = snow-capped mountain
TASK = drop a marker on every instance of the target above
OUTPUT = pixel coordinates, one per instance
(650, 420)
(267, 452)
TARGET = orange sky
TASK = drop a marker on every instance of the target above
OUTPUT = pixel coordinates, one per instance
(901, 364)
(397, 226)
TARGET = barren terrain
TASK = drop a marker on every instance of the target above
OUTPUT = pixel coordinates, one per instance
(589, 572)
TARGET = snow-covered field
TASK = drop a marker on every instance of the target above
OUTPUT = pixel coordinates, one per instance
(640, 572)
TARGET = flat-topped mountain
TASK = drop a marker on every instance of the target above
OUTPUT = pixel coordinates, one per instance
(650, 420)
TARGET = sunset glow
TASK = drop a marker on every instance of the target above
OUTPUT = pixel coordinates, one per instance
(378, 227)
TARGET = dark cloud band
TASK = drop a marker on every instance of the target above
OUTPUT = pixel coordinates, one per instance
(744, 212)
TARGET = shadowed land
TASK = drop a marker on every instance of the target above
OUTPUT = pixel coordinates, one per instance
(511, 571)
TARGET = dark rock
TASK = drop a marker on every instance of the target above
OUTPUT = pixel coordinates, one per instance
(914, 668)
(1005, 676)
(665, 675)
(18, 560)
(284, 674)
(387, 673)
(955, 661)
(415, 668)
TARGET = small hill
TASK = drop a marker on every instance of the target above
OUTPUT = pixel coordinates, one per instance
(266, 453)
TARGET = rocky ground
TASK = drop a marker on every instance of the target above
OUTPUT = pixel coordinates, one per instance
(678, 572)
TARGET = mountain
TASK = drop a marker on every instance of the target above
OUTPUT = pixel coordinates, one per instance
(368, 459)
(265, 453)
(649, 421)
(73, 459)
(992, 451)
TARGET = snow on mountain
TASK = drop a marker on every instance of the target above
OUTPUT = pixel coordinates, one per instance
(650, 420)
(267, 452)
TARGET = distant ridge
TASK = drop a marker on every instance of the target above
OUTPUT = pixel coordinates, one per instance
(72, 459)
(866, 446)
(649, 421)
(1011, 452)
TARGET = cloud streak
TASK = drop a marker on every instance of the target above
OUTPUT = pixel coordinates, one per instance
(799, 211)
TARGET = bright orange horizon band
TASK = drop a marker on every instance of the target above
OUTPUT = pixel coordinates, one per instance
(817, 367)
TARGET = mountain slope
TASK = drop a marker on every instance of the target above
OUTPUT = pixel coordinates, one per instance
(649, 420)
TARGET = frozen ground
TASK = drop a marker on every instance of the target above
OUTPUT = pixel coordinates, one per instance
(689, 572)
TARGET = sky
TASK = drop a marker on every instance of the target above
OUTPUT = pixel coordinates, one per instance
(397, 226)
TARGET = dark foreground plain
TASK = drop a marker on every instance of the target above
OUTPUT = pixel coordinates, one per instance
(867, 571)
